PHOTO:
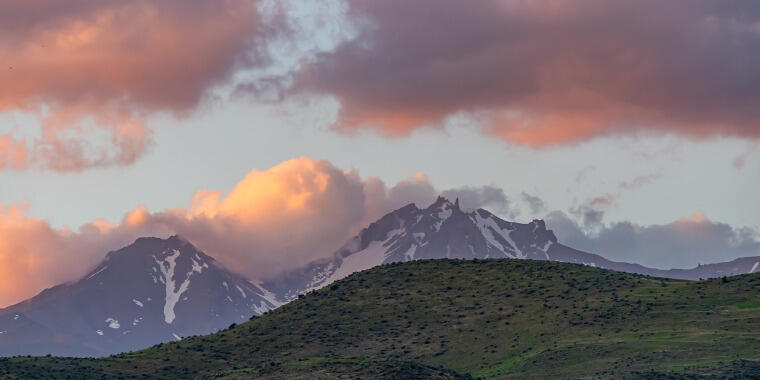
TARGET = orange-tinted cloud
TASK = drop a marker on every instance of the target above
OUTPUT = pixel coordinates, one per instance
(95, 67)
(698, 218)
(13, 153)
(34, 256)
(272, 220)
(542, 73)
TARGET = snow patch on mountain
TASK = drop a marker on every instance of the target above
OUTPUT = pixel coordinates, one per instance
(409, 254)
(490, 230)
(373, 255)
(167, 266)
(99, 270)
(198, 268)
(242, 292)
(268, 296)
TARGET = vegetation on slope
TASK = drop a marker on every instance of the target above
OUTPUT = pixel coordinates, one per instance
(452, 319)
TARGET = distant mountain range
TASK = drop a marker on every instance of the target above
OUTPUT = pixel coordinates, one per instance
(158, 290)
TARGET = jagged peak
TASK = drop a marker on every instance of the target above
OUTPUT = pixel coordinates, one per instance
(408, 207)
(539, 223)
(442, 203)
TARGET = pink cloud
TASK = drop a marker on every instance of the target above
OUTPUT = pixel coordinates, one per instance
(547, 73)
(13, 154)
(531, 73)
(741, 160)
(102, 66)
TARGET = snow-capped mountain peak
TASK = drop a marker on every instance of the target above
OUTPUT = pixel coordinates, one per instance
(444, 230)
(151, 291)
(441, 230)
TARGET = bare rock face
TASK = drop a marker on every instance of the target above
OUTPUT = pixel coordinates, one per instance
(152, 291)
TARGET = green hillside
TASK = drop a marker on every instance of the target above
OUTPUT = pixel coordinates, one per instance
(455, 319)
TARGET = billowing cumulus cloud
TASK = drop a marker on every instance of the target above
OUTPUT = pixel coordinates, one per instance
(548, 72)
(33, 255)
(684, 243)
(293, 212)
(272, 220)
(379, 198)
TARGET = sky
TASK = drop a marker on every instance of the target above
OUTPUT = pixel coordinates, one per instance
(268, 132)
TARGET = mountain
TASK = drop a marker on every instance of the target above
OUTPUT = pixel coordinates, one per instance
(159, 290)
(519, 319)
(154, 290)
(444, 230)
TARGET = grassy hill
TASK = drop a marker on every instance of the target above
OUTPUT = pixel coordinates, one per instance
(455, 319)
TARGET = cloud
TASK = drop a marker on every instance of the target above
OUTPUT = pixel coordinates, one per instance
(380, 199)
(547, 73)
(535, 203)
(741, 160)
(93, 70)
(684, 243)
(590, 213)
(13, 153)
(583, 173)
(531, 73)
(640, 181)
(34, 256)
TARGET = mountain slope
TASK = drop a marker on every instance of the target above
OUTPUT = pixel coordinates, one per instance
(492, 319)
(444, 230)
(151, 291)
